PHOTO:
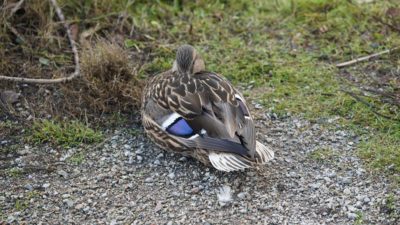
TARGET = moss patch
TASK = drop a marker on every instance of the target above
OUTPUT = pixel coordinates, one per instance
(67, 134)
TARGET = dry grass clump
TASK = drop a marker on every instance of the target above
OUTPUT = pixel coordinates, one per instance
(110, 79)
(33, 44)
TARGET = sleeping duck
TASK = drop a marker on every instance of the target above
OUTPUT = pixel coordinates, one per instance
(197, 113)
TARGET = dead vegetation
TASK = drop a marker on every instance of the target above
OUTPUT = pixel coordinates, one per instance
(109, 80)
(33, 44)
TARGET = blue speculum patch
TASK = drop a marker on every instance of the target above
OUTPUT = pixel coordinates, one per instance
(180, 128)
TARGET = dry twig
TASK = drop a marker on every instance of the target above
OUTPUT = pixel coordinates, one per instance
(372, 107)
(16, 7)
(365, 58)
(76, 72)
(391, 26)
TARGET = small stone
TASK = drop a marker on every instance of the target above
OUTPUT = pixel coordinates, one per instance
(139, 158)
(331, 175)
(62, 173)
(139, 151)
(66, 195)
(242, 195)
(292, 174)
(157, 162)
(315, 186)
(9, 96)
(347, 191)
(288, 160)
(10, 219)
(360, 171)
(195, 190)
(351, 208)
(79, 206)
(182, 159)
(46, 185)
(68, 202)
(171, 176)
(366, 199)
(126, 146)
(244, 210)
(148, 180)
(170, 223)
(258, 106)
(351, 216)
(28, 187)
(346, 180)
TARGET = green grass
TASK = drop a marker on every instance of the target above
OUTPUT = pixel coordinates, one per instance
(23, 203)
(359, 219)
(67, 134)
(77, 158)
(383, 151)
(390, 207)
(15, 172)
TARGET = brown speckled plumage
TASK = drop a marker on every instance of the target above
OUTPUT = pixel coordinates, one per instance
(223, 130)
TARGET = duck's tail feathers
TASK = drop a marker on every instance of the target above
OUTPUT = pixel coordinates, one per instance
(229, 162)
(264, 153)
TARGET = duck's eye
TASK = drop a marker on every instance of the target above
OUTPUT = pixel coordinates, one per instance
(243, 107)
(180, 128)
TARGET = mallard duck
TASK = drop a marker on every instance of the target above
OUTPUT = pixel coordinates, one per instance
(200, 114)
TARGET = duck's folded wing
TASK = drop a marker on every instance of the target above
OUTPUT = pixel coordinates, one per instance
(209, 104)
(196, 141)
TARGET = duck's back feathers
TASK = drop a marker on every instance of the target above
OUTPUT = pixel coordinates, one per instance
(187, 108)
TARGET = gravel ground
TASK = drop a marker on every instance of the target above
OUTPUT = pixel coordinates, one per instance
(314, 179)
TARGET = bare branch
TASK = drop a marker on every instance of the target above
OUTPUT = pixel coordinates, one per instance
(365, 58)
(372, 107)
(72, 43)
(391, 26)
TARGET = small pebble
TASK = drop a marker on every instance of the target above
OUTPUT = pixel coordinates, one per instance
(68, 202)
(171, 176)
(28, 187)
(351, 216)
(62, 173)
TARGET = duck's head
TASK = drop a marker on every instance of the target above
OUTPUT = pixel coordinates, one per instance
(188, 60)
